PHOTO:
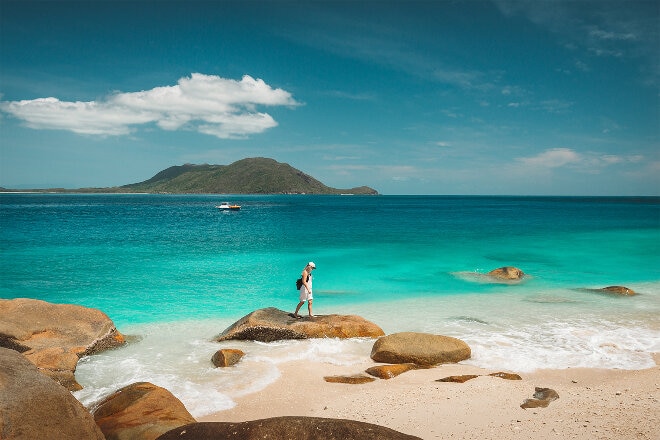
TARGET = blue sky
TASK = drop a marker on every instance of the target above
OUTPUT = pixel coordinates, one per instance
(433, 97)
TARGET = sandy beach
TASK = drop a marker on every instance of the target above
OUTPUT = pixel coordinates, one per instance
(592, 404)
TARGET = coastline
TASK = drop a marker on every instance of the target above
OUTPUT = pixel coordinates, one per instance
(593, 403)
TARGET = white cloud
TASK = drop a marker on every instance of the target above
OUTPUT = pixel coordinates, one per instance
(210, 104)
(589, 162)
(553, 158)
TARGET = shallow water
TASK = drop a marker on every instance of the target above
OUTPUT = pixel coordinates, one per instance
(175, 271)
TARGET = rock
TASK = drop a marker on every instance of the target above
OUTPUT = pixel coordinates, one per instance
(507, 376)
(542, 398)
(619, 290)
(271, 324)
(390, 371)
(458, 379)
(308, 428)
(54, 336)
(354, 380)
(466, 377)
(507, 273)
(140, 411)
(227, 357)
(33, 406)
(419, 348)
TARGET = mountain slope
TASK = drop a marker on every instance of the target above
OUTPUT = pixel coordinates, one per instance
(247, 176)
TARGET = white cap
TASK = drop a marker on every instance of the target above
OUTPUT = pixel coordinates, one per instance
(311, 264)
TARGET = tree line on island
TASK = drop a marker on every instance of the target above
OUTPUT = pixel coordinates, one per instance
(247, 176)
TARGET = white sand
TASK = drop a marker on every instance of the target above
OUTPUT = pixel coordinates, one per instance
(592, 404)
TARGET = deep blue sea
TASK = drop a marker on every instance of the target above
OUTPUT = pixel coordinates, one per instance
(175, 271)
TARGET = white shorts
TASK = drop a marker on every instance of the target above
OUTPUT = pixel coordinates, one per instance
(304, 295)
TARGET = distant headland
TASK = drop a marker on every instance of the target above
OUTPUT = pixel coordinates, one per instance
(257, 175)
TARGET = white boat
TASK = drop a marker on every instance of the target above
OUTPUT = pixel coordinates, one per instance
(227, 206)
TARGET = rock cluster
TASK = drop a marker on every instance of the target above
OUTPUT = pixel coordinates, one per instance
(49, 338)
(271, 324)
(54, 336)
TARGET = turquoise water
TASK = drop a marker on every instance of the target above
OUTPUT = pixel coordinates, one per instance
(176, 271)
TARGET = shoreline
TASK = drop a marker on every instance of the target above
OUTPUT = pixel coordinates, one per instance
(593, 403)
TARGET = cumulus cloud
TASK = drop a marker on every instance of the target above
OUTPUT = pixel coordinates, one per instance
(210, 104)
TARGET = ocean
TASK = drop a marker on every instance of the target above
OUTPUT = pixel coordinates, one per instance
(172, 272)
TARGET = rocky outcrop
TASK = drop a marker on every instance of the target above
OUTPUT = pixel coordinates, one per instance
(140, 411)
(54, 336)
(271, 324)
(542, 398)
(32, 406)
(507, 273)
(390, 371)
(308, 428)
(227, 357)
(419, 348)
(618, 290)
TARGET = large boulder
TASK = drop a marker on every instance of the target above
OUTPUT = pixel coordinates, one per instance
(54, 336)
(140, 411)
(32, 406)
(271, 324)
(308, 428)
(507, 273)
(419, 348)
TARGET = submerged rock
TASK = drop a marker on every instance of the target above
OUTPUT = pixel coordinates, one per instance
(32, 406)
(508, 273)
(140, 411)
(619, 290)
(293, 427)
(271, 324)
(54, 336)
(419, 348)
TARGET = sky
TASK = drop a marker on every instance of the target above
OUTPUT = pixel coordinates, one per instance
(501, 97)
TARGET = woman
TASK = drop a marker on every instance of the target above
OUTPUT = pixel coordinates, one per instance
(306, 289)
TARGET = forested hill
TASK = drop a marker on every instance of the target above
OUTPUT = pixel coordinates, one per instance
(247, 176)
